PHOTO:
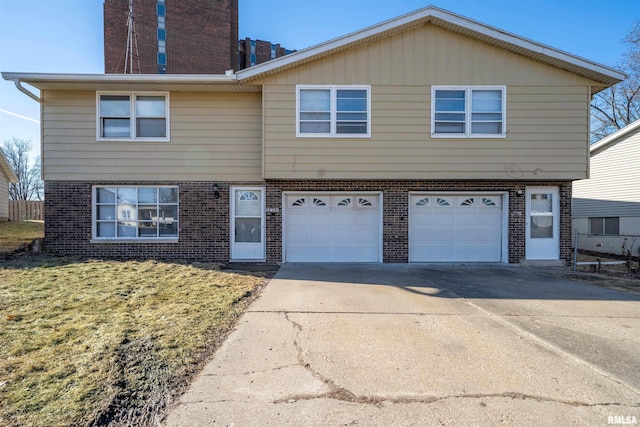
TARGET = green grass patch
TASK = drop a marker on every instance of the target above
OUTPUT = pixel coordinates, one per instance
(86, 342)
(13, 233)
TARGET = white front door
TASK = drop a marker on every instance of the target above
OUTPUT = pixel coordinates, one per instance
(543, 223)
(247, 223)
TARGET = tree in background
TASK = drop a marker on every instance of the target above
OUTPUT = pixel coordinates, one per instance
(618, 106)
(29, 185)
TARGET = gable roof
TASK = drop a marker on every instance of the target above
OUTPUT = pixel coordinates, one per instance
(6, 168)
(591, 70)
(602, 74)
(617, 136)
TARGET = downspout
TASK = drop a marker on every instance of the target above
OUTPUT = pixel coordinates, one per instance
(22, 89)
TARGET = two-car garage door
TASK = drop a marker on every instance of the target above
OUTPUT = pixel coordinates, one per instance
(341, 227)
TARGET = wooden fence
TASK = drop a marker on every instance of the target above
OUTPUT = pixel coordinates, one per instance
(20, 210)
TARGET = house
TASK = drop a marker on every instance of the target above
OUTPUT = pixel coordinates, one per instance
(609, 201)
(426, 138)
(7, 176)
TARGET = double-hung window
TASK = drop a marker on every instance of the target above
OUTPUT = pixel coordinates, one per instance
(139, 213)
(468, 111)
(333, 111)
(133, 116)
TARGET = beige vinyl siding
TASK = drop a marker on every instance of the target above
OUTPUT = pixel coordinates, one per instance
(546, 121)
(214, 137)
(613, 189)
(4, 196)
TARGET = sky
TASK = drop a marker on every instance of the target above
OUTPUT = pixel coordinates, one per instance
(66, 36)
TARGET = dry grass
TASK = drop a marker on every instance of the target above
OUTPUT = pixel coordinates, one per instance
(13, 233)
(105, 342)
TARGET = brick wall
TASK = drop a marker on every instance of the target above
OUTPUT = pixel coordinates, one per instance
(202, 37)
(203, 230)
(204, 220)
(263, 52)
(396, 211)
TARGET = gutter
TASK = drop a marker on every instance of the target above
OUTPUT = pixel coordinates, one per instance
(22, 89)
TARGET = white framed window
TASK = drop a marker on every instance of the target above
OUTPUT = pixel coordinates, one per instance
(468, 111)
(132, 116)
(604, 225)
(333, 111)
(135, 213)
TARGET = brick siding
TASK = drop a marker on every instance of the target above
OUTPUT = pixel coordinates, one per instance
(204, 220)
(202, 37)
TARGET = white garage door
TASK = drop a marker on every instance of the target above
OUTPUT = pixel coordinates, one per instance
(325, 227)
(455, 228)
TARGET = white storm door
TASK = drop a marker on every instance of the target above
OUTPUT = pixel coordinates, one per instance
(247, 224)
(543, 223)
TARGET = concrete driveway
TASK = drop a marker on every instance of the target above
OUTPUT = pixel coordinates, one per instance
(383, 345)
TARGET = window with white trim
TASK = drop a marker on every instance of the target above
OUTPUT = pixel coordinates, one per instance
(133, 116)
(142, 213)
(603, 225)
(468, 111)
(333, 111)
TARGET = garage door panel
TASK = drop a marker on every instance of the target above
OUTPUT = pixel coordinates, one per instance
(458, 228)
(490, 219)
(332, 228)
(317, 236)
(367, 219)
(442, 219)
(465, 219)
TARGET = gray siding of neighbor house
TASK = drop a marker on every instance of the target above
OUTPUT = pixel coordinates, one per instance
(613, 190)
(4, 197)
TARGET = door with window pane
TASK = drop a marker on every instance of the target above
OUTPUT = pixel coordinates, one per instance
(247, 224)
(543, 223)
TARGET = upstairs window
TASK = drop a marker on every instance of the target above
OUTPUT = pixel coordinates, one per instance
(468, 111)
(133, 117)
(334, 111)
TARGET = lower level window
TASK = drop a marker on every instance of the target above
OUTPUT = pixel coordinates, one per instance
(599, 225)
(122, 212)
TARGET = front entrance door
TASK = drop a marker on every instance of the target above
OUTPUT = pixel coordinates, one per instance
(543, 223)
(247, 224)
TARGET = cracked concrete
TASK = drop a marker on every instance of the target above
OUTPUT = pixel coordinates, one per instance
(419, 345)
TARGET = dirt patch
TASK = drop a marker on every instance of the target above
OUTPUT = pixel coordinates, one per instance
(619, 281)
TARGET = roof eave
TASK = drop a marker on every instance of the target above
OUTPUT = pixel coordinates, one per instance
(614, 137)
(33, 78)
(6, 167)
(589, 69)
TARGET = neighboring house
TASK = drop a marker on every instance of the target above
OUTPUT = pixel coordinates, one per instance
(7, 176)
(427, 138)
(609, 201)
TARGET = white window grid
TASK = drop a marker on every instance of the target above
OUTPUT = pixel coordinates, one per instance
(132, 117)
(468, 112)
(127, 217)
(333, 90)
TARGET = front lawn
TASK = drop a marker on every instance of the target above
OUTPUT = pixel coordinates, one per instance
(13, 233)
(86, 342)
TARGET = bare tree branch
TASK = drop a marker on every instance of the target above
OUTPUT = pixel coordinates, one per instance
(619, 106)
(29, 185)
